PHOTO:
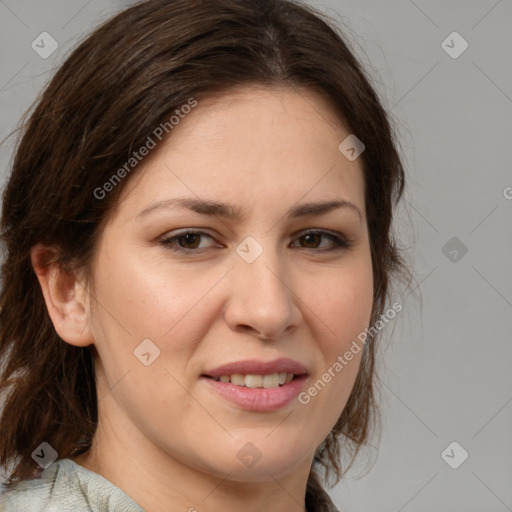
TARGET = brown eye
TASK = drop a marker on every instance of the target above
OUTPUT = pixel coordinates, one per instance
(190, 239)
(187, 241)
(313, 240)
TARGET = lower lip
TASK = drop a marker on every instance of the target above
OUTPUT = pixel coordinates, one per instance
(258, 399)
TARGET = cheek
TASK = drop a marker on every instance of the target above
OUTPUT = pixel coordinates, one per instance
(343, 301)
(149, 298)
(346, 310)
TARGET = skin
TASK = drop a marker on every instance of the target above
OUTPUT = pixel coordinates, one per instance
(163, 436)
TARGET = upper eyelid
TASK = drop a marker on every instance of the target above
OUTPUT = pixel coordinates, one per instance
(200, 231)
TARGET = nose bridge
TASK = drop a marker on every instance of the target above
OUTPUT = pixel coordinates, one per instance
(261, 269)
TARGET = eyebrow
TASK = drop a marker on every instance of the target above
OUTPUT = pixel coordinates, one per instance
(214, 208)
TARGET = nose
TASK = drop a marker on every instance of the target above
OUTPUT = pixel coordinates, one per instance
(262, 299)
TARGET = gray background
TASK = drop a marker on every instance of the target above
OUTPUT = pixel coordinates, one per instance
(445, 361)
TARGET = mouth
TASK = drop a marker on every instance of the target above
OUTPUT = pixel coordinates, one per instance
(257, 386)
(268, 381)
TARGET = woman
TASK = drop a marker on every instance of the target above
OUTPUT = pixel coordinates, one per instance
(198, 245)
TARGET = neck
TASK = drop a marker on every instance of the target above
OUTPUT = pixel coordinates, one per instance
(159, 482)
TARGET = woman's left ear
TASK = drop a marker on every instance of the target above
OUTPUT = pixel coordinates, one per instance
(65, 294)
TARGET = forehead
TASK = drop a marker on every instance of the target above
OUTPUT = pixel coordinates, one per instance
(250, 145)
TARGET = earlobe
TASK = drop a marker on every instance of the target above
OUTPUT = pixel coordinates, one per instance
(65, 296)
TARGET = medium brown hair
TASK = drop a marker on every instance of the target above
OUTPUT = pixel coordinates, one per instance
(121, 82)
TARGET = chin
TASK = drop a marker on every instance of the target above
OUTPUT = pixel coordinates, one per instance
(260, 457)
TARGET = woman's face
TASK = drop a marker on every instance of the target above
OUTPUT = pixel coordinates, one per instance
(230, 277)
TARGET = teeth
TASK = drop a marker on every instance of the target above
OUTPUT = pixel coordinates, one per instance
(272, 380)
(254, 381)
(237, 379)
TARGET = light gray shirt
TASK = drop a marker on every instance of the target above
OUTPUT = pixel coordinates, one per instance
(65, 486)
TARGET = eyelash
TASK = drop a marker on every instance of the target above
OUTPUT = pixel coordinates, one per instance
(340, 243)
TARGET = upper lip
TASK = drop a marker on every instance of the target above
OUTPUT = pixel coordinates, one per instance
(257, 367)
